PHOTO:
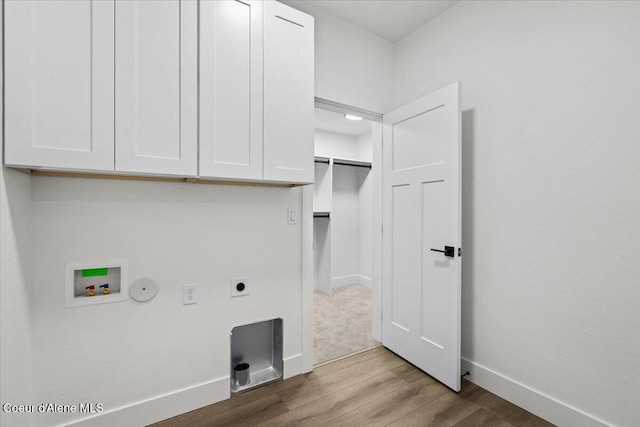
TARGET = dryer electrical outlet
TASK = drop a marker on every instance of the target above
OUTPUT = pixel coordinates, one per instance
(239, 287)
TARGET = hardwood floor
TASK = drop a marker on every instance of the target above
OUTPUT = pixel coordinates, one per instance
(374, 388)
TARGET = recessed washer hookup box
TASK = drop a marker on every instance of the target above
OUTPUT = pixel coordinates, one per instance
(95, 282)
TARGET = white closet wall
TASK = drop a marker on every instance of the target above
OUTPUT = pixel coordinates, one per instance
(333, 144)
(365, 207)
(364, 146)
(342, 243)
(322, 189)
(322, 255)
(323, 183)
(344, 226)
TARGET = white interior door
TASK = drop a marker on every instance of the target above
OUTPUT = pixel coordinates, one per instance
(421, 212)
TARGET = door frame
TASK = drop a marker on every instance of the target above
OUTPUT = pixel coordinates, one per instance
(307, 237)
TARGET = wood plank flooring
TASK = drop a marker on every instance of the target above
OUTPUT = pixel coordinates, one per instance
(374, 388)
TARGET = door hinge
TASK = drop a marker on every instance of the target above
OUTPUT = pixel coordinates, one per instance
(459, 251)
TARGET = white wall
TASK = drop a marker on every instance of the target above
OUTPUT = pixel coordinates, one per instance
(352, 66)
(351, 207)
(343, 146)
(365, 146)
(322, 198)
(15, 309)
(333, 144)
(323, 182)
(365, 208)
(322, 255)
(344, 205)
(551, 191)
(344, 226)
(123, 353)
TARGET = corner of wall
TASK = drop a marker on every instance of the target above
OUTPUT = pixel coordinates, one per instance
(16, 364)
(353, 66)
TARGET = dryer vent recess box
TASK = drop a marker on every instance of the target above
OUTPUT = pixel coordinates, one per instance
(95, 282)
(260, 346)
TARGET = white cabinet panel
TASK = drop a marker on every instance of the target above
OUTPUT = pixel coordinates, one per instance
(156, 86)
(59, 62)
(288, 94)
(231, 89)
(104, 85)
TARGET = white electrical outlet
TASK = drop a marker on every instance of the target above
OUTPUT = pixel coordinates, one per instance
(239, 287)
(190, 294)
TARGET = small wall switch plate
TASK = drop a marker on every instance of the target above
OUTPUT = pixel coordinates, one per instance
(292, 216)
(189, 294)
(239, 287)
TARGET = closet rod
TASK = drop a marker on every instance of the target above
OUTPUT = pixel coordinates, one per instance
(351, 164)
(322, 215)
(322, 161)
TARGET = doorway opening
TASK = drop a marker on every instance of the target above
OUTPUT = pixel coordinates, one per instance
(343, 232)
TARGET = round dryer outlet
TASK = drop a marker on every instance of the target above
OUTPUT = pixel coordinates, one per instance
(239, 287)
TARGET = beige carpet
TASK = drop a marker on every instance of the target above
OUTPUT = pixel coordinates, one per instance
(341, 323)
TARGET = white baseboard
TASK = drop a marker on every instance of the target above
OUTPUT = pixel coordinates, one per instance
(161, 407)
(292, 366)
(354, 279)
(534, 401)
(170, 405)
(176, 403)
(365, 281)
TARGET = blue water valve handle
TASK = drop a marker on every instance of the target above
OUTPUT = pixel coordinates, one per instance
(105, 288)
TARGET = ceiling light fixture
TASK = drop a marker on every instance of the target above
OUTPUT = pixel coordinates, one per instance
(352, 117)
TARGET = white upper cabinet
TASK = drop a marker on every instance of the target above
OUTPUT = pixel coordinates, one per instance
(219, 89)
(288, 94)
(59, 77)
(231, 89)
(156, 87)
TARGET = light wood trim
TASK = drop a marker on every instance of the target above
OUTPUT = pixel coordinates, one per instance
(189, 180)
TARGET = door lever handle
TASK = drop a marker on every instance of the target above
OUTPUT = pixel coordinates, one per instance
(448, 251)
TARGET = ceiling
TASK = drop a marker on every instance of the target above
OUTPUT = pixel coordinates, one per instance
(335, 122)
(390, 19)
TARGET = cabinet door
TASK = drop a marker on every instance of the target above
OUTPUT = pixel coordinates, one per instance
(156, 86)
(59, 84)
(288, 94)
(231, 89)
